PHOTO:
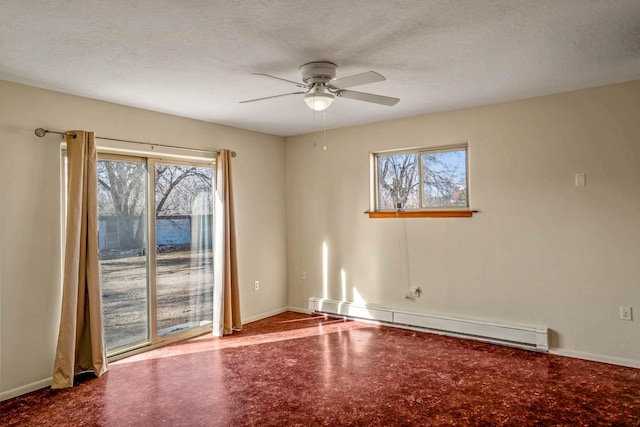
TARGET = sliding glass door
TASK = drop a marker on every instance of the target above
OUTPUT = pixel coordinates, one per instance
(184, 260)
(155, 233)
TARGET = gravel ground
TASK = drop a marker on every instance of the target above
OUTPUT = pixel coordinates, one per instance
(184, 295)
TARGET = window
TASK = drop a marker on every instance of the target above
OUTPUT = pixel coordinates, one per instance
(421, 180)
(122, 239)
(156, 259)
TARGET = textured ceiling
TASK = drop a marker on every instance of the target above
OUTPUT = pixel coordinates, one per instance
(193, 58)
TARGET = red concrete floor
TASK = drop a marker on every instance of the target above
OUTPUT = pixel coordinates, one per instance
(299, 370)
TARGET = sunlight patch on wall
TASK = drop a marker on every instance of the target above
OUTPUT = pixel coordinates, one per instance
(325, 270)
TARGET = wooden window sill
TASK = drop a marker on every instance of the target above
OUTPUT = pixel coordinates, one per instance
(458, 213)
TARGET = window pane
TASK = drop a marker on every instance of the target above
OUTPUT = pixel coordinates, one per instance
(398, 182)
(184, 266)
(123, 261)
(444, 177)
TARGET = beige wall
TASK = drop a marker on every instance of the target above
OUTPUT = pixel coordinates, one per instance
(30, 214)
(541, 251)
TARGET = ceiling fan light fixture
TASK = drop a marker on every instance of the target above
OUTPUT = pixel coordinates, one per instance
(318, 101)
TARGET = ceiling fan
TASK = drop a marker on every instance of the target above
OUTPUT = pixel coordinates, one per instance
(321, 86)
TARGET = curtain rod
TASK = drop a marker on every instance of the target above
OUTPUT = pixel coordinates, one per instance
(42, 132)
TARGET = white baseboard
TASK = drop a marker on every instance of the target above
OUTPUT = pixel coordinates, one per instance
(264, 315)
(612, 360)
(18, 391)
(274, 312)
(299, 310)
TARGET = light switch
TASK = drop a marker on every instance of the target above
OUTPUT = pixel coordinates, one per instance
(581, 180)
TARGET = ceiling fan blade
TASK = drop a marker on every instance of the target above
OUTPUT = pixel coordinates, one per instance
(357, 80)
(280, 78)
(368, 97)
(273, 96)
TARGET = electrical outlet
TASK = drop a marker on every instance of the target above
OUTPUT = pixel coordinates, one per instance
(625, 313)
(414, 292)
(256, 285)
(303, 275)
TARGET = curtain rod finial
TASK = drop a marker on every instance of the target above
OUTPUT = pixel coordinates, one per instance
(40, 132)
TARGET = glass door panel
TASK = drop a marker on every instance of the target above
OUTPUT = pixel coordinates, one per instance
(184, 259)
(122, 214)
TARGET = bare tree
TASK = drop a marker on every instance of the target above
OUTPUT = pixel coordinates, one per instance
(121, 193)
(398, 181)
(444, 183)
(177, 186)
(443, 180)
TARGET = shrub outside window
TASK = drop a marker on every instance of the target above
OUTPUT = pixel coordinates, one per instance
(421, 179)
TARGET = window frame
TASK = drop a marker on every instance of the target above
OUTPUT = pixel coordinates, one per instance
(154, 340)
(434, 211)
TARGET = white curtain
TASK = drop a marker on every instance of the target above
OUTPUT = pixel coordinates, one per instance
(226, 300)
(80, 339)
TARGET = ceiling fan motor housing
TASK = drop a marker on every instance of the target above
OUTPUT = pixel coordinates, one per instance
(318, 72)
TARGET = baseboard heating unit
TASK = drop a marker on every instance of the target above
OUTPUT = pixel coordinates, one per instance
(529, 337)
